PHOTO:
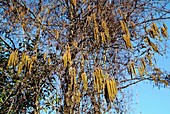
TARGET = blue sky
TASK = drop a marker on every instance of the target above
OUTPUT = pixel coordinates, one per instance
(149, 99)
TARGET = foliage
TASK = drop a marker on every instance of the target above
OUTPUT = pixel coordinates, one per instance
(78, 56)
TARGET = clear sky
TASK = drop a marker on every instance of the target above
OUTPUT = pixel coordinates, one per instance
(149, 99)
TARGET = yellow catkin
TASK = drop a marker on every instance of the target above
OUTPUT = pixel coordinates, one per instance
(149, 57)
(122, 25)
(108, 89)
(93, 17)
(154, 26)
(26, 61)
(56, 34)
(126, 36)
(165, 82)
(74, 2)
(114, 87)
(111, 89)
(23, 57)
(164, 32)
(154, 47)
(65, 60)
(33, 58)
(106, 30)
(141, 71)
(97, 80)
(30, 66)
(133, 24)
(100, 77)
(95, 28)
(133, 68)
(120, 12)
(127, 41)
(73, 82)
(44, 56)
(154, 78)
(84, 78)
(152, 33)
(67, 56)
(103, 37)
(13, 58)
(49, 61)
(88, 20)
(143, 62)
(74, 75)
(67, 101)
(75, 44)
(20, 66)
(97, 84)
(78, 96)
(157, 70)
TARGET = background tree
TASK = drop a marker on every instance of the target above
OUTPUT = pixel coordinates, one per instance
(78, 56)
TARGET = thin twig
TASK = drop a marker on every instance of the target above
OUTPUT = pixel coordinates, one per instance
(6, 43)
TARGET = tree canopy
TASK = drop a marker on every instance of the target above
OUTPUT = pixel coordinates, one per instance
(78, 56)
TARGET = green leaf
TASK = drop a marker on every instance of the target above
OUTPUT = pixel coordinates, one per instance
(1, 100)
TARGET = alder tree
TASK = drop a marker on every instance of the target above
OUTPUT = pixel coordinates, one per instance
(79, 56)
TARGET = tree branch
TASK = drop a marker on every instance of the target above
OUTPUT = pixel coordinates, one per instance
(123, 87)
(6, 43)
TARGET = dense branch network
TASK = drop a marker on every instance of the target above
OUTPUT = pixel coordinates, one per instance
(78, 56)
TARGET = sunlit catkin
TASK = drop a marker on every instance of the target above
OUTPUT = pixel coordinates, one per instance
(84, 78)
(78, 97)
(98, 80)
(72, 76)
(106, 29)
(13, 58)
(141, 70)
(67, 56)
(111, 89)
(44, 56)
(103, 37)
(126, 35)
(164, 32)
(74, 2)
